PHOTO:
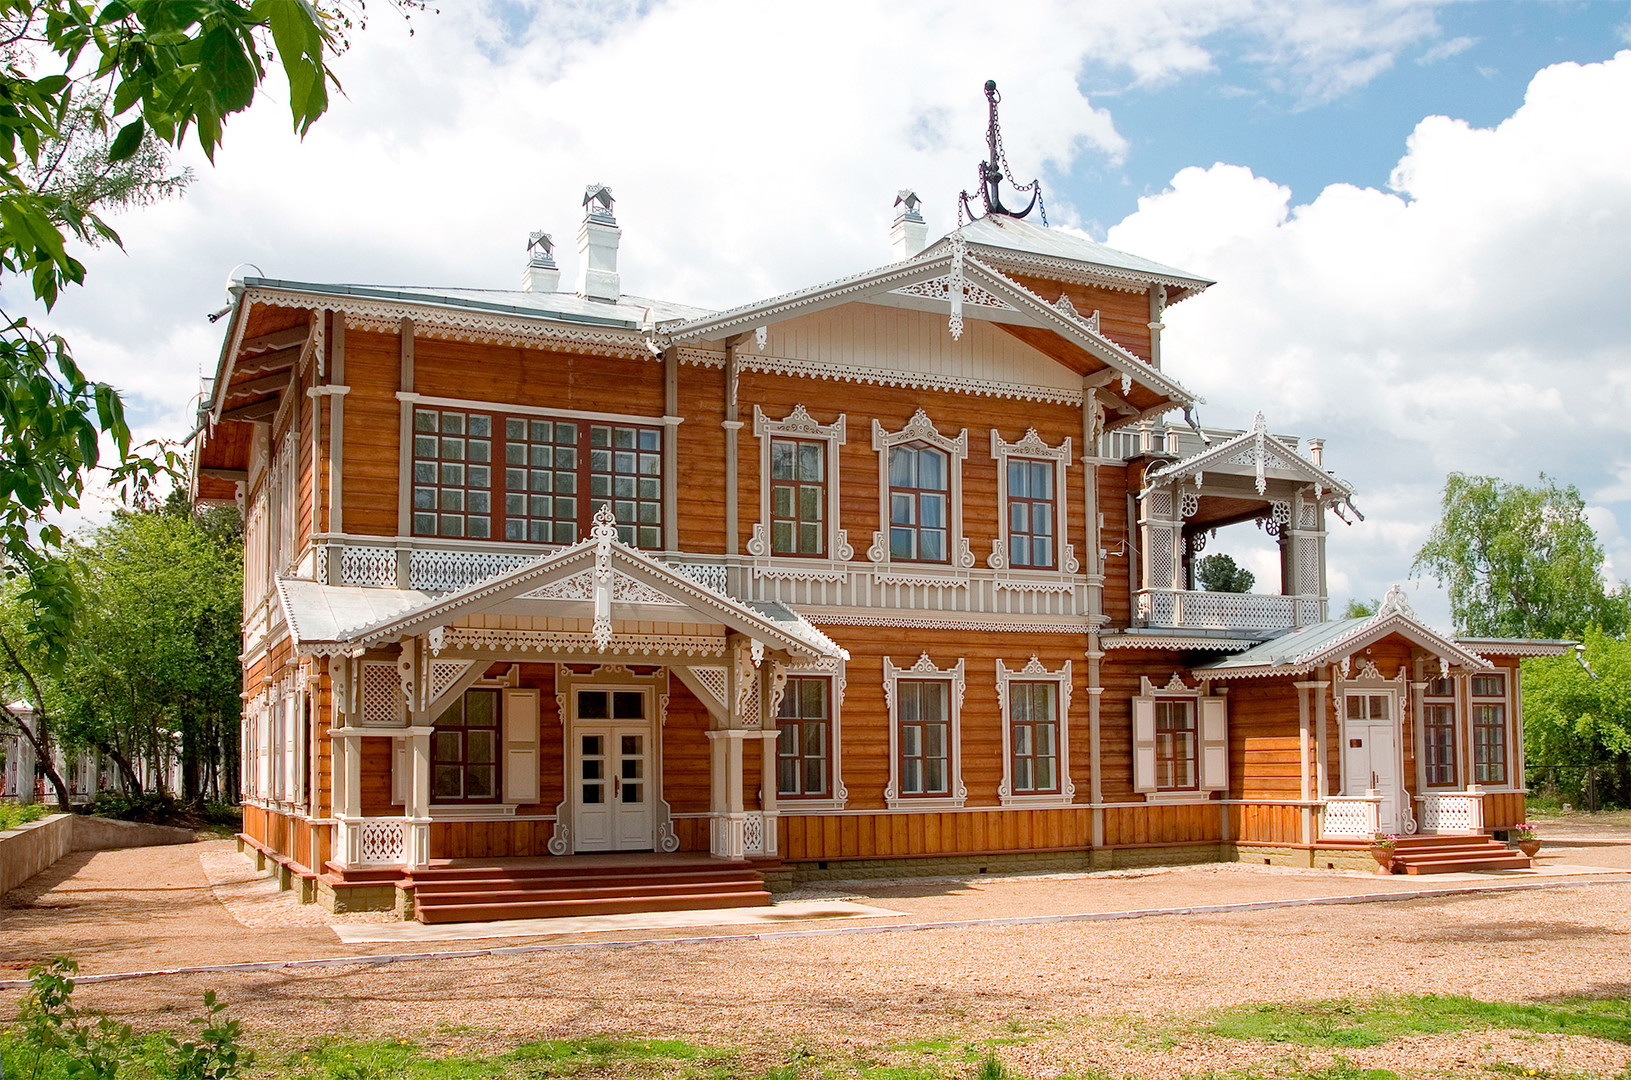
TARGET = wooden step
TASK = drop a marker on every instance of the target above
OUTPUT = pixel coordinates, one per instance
(451, 892)
(477, 892)
(1452, 854)
(557, 909)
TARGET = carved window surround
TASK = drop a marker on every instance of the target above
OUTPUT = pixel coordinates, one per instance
(833, 668)
(1034, 671)
(1211, 716)
(926, 671)
(1032, 447)
(800, 425)
(953, 572)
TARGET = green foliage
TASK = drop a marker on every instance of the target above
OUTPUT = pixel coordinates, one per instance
(1520, 561)
(1219, 573)
(1360, 609)
(15, 814)
(1573, 719)
(58, 1038)
(1354, 1024)
(214, 1054)
(402, 1059)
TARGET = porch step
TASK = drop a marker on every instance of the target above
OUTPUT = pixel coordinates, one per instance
(1455, 855)
(483, 893)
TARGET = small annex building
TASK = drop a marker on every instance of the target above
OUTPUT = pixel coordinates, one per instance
(547, 583)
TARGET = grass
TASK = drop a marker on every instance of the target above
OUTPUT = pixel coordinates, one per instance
(1350, 1023)
(402, 1059)
(15, 814)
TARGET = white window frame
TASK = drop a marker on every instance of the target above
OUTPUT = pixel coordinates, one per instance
(799, 424)
(1504, 700)
(1211, 741)
(833, 670)
(960, 558)
(1034, 671)
(925, 670)
(1032, 448)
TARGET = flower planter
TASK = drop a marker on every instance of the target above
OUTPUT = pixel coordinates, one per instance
(1384, 859)
(1529, 847)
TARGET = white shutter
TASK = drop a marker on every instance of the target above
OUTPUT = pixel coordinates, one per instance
(1143, 744)
(263, 752)
(401, 770)
(291, 745)
(521, 746)
(1214, 743)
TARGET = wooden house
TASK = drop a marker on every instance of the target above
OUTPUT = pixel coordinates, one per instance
(890, 569)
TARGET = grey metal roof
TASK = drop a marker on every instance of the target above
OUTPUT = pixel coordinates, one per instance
(1306, 647)
(629, 312)
(1293, 646)
(329, 613)
(796, 625)
(1004, 233)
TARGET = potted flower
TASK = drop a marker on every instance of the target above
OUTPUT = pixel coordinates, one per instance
(1381, 849)
(1524, 834)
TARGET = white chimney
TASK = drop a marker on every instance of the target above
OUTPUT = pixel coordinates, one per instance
(541, 274)
(1316, 452)
(909, 235)
(597, 246)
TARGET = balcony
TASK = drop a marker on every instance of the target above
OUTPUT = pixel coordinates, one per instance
(1191, 609)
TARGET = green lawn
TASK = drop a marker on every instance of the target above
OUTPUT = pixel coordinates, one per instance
(13, 814)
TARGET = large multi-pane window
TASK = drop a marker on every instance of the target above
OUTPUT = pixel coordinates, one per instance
(924, 717)
(1030, 513)
(1033, 710)
(555, 475)
(1438, 732)
(1176, 747)
(1489, 729)
(798, 497)
(804, 745)
(464, 749)
(918, 504)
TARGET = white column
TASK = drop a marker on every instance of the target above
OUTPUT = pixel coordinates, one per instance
(767, 796)
(416, 848)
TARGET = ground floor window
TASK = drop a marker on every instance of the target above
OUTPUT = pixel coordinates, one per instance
(1034, 734)
(924, 717)
(1438, 733)
(804, 743)
(464, 749)
(1489, 729)
(1176, 745)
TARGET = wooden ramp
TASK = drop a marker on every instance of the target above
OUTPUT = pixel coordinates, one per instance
(1437, 854)
(474, 890)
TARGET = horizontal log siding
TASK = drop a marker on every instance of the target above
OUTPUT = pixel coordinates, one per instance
(1124, 317)
(1264, 753)
(1121, 678)
(371, 441)
(376, 778)
(865, 731)
(489, 839)
(555, 380)
(1118, 603)
(701, 442)
(893, 407)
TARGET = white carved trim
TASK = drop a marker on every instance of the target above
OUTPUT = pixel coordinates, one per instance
(832, 667)
(925, 669)
(1035, 671)
(800, 425)
(479, 639)
(921, 429)
(909, 380)
(656, 688)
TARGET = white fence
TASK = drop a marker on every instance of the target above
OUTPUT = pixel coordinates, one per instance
(1452, 812)
(1355, 817)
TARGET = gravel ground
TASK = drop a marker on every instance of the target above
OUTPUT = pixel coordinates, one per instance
(1070, 995)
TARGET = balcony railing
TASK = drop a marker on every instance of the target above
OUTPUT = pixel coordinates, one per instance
(1355, 817)
(1197, 610)
(1452, 812)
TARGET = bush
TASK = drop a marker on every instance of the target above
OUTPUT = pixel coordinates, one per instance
(15, 814)
(149, 807)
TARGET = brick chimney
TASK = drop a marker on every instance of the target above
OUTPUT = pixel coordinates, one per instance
(909, 235)
(1316, 452)
(597, 246)
(540, 274)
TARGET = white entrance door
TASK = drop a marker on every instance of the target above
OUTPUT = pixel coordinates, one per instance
(611, 771)
(1371, 758)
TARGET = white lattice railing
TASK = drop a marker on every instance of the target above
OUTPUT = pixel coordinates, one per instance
(443, 571)
(709, 574)
(375, 566)
(1351, 817)
(1198, 610)
(374, 841)
(1452, 811)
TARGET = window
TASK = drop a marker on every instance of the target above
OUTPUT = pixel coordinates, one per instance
(1489, 729)
(918, 497)
(1176, 746)
(803, 747)
(925, 737)
(1031, 495)
(555, 476)
(798, 497)
(1034, 737)
(464, 749)
(1438, 732)
(925, 742)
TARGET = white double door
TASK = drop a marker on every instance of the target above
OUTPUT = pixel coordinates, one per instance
(611, 771)
(1371, 757)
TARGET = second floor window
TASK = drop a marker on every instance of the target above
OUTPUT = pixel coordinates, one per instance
(918, 504)
(1030, 514)
(798, 497)
(554, 476)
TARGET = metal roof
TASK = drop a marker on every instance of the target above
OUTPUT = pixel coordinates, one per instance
(1308, 647)
(1009, 234)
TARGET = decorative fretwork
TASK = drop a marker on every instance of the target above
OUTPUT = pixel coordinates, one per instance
(565, 641)
(753, 834)
(709, 574)
(1159, 503)
(1355, 817)
(1308, 565)
(715, 679)
(1452, 811)
(940, 288)
(444, 674)
(1199, 610)
(373, 566)
(381, 841)
(576, 587)
(444, 571)
(1161, 557)
(1188, 503)
(381, 693)
(626, 590)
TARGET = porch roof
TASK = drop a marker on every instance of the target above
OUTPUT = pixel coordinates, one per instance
(599, 579)
(1308, 647)
(1517, 646)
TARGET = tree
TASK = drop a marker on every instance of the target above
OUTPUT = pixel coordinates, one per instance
(1219, 573)
(1361, 609)
(1519, 561)
(1575, 715)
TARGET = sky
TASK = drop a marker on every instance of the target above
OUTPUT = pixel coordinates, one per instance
(1418, 214)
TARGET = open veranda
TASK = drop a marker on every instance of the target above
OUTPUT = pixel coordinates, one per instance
(944, 977)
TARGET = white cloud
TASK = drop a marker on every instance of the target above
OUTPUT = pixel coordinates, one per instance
(1472, 319)
(1446, 49)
